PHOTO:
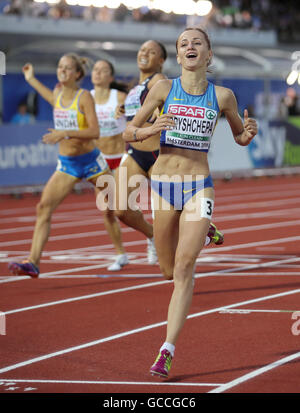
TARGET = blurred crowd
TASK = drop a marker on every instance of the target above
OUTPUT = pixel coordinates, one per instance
(284, 17)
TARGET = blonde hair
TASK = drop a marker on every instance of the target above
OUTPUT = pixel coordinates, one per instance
(82, 64)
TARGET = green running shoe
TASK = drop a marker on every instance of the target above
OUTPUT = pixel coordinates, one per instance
(162, 364)
(216, 237)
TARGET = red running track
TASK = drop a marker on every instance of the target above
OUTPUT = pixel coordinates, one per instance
(80, 329)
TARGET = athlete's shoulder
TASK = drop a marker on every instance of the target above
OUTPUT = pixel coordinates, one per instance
(225, 97)
(85, 99)
(156, 78)
(223, 92)
(159, 76)
(163, 87)
(85, 94)
(164, 82)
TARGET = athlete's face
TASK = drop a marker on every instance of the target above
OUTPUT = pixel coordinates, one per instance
(192, 50)
(101, 74)
(149, 57)
(66, 70)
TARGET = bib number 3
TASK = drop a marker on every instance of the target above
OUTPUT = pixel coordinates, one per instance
(207, 208)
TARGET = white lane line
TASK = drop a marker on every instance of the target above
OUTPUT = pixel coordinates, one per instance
(247, 197)
(108, 276)
(249, 310)
(260, 274)
(75, 222)
(207, 250)
(65, 206)
(152, 284)
(134, 383)
(157, 275)
(87, 297)
(138, 330)
(287, 189)
(252, 244)
(11, 278)
(258, 204)
(57, 238)
(72, 224)
(255, 215)
(232, 217)
(255, 373)
(259, 190)
(262, 226)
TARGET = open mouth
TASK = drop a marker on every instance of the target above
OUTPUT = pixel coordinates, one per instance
(191, 55)
(143, 61)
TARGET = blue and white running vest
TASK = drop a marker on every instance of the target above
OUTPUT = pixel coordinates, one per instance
(195, 118)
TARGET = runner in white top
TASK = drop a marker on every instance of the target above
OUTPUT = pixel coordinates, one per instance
(108, 95)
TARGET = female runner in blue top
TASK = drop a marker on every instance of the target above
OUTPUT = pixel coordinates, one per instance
(140, 157)
(181, 181)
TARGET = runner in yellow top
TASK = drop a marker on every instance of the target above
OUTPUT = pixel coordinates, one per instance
(76, 129)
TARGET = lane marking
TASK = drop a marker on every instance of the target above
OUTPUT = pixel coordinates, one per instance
(255, 373)
(248, 311)
(207, 251)
(102, 232)
(134, 287)
(254, 215)
(253, 244)
(72, 224)
(288, 189)
(139, 383)
(138, 330)
(158, 275)
(261, 226)
(91, 220)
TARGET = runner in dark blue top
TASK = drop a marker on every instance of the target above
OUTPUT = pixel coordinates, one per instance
(140, 157)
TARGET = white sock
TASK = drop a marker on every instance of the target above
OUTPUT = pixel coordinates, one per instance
(168, 346)
(207, 240)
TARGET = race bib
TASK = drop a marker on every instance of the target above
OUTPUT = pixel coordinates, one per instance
(193, 128)
(65, 119)
(132, 102)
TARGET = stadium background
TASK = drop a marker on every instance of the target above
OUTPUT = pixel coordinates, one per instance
(255, 49)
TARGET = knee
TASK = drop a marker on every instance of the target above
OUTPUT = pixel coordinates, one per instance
(43, 210)
(184, 268)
